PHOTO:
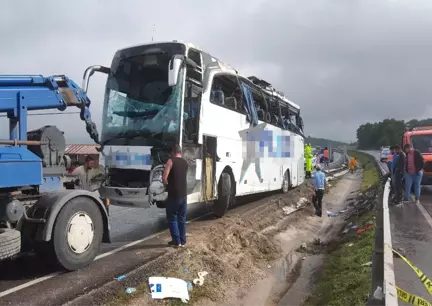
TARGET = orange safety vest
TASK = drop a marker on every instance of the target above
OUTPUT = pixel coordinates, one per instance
(326, 153)
(352, 163)
(390, 158)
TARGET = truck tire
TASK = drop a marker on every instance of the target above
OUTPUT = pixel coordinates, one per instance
(221, 205)
(77, 234)
(286, 182)
(10, 243)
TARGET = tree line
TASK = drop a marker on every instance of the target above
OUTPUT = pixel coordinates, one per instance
(323, 142)
(385, 133)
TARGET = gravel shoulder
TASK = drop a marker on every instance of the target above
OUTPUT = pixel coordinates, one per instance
(250, 254)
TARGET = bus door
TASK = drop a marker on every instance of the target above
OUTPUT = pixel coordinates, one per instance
(209, 167)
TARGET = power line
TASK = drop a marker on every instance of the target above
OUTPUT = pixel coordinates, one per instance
(47, 114)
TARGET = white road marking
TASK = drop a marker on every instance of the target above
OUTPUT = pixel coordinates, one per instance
(49, 276)
(425, 214)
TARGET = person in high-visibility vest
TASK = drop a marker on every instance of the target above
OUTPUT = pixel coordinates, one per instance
(308, 158)
(352, 164)
(326, 156)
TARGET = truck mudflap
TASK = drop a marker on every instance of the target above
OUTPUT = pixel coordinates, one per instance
(50, 205)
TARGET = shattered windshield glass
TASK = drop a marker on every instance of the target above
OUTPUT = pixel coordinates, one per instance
(140, 108)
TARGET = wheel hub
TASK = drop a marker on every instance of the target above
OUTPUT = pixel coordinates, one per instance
(80, 233)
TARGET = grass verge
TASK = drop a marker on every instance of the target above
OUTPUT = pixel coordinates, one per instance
(345, 277)
(370, 171)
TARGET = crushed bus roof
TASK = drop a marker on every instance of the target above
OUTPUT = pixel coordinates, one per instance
(262, 84)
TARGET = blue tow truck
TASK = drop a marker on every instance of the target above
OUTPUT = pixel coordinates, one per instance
(40, 208)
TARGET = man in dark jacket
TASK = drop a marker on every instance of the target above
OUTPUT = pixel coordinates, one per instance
(398, 174)
(175, 178)
(414, 172)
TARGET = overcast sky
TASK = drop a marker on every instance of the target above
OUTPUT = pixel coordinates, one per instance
(344, 62)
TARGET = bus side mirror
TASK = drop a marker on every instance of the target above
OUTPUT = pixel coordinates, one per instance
(173, 70)
(90, 71)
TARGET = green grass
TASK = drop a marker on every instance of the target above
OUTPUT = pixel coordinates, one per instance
(343, 279)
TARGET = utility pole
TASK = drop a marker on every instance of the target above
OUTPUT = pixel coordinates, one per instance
(153, 31)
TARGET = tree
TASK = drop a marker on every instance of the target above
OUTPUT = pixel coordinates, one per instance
(385, 133)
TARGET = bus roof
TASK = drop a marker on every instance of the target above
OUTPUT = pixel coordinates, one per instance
(262, 84)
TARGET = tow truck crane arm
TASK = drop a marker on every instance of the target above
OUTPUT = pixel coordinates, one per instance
(36, 204)
(21, 93)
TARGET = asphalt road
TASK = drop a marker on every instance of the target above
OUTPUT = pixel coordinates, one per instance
(411, 228)
(127, 225)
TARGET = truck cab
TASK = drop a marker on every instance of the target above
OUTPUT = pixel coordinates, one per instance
(421, 139)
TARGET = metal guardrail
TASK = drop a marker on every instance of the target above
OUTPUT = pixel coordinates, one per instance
(382, 258)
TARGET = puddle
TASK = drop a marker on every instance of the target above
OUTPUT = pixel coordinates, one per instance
(304, 282)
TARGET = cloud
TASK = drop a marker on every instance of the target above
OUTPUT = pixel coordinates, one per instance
(344, 62)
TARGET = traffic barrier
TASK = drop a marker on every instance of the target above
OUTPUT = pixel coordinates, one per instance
(383, 265)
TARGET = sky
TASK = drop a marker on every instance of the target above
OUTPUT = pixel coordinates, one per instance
(344, 62)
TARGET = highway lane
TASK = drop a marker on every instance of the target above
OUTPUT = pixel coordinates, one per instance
(411, 230)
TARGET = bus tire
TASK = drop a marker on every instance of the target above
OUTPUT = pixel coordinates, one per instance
(286, 182)
(221, 205)
(10, 243)
(77, 234)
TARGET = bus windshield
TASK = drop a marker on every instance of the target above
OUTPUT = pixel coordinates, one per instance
(423, 143)
(139, 107)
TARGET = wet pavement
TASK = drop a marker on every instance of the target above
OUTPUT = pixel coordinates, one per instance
(412, 235)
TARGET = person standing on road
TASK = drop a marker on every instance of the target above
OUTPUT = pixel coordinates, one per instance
(87, 172)
(398, 174)
(352, 164)
(390, 158)
(414, 172)
(392, 167)
(326, 157)
(308, 158)
(319, 182)
(174, 177)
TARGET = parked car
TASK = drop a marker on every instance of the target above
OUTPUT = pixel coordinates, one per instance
(385, 152)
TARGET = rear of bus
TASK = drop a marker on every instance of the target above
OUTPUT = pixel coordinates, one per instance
(421, 139)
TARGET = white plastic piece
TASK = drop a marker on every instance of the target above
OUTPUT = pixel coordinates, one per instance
(168, 287)
(200, 280)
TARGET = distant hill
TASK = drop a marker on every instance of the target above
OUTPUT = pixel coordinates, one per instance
(322, 142)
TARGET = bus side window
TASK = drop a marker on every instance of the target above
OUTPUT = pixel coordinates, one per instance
(225, 92)
(192, 106)
(261, 105)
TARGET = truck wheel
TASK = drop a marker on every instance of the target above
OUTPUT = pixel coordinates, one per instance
(286, 182)
(10, 243)
(220, 206)
(77, 233)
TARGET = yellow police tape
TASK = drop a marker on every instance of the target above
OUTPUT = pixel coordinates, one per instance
(409, 297)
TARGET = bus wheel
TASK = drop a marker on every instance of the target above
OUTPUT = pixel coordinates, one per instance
(220, 206)
(77, 233)
(286, 182)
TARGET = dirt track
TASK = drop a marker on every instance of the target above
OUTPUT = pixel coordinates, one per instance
(243, 250)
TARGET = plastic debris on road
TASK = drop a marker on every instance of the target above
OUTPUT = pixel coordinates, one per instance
(378, 294)
(119, 278)
(332, 214)
(368, 226)
(189, 286)
(302, 202)
(130, 290)
(288, 210)
(168, 287)
(200, 280)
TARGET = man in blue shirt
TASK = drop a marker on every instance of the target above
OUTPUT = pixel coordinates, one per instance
(319, 182)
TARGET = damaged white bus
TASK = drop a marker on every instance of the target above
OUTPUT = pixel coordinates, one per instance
(239, 135)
